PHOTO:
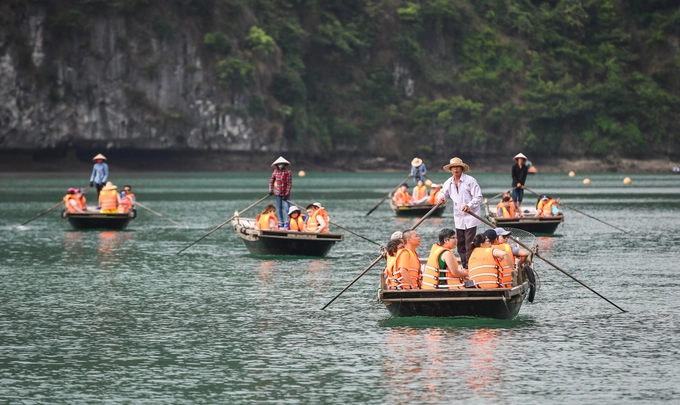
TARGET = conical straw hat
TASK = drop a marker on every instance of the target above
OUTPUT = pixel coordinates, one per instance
(109, 186)
(280, 160)
(520, 156)
(99, 156)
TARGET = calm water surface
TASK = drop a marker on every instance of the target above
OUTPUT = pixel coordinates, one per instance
(117, 317)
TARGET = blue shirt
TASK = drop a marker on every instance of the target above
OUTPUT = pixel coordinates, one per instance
(419, 172)
(100, 173)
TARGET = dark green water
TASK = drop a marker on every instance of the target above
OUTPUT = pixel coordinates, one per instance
(117, 317)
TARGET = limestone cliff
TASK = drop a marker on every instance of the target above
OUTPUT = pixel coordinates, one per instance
(114, 83)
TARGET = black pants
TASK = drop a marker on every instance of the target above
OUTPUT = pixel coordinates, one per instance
(99, 189)
(465, 237)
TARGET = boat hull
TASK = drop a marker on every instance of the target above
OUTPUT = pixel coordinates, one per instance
(95, 220)
(535, 225)
(286, 243)
(497, 303)
(417, 210)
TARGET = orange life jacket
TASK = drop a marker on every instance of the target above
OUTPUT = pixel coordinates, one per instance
(506, 268)
(545, 208)
(484, 268)
(391, 278)
(69, 207)
(434, 193)
(313, 222)
(125, 204)
(419, 192)
(264, 221)
(402, 198)
(408, 259)
(507, 212)
(108, 200)
(296, 224)
(433, 275)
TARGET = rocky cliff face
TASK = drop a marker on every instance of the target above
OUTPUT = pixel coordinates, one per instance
(113, 84)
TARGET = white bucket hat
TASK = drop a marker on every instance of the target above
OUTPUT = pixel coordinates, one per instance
(292, 209)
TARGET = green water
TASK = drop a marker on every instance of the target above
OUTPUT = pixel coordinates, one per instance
(117, 317)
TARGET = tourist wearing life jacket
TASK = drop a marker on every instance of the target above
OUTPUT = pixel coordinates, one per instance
(267, 219)
(280, 185)
(420, 193)
(484, 266)
(402, 197)
(127, 200)
(109, 200)
(505, 209)
(434, 193)
(517, 255)
(100, 172)
(547, 207)
(317, 218)
(295, 221)
(407, 263)
(392, 278)
(418, 170)
(74, 201)
(441, 270)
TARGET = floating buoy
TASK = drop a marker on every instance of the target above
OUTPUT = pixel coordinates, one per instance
(627, 180)
(572, 174)
(586, 181)
(302, 173)
(428, 183)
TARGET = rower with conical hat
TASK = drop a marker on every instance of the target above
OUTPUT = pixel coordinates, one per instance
(100, 172)
(519, 177)
(280, 185)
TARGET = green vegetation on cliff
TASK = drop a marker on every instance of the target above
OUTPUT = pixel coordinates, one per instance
(554, 77)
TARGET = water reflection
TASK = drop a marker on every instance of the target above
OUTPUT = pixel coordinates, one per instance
(481, 374)
(108, 244)
(265, 271)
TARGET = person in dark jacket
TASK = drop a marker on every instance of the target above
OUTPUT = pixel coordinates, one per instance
(519, 177)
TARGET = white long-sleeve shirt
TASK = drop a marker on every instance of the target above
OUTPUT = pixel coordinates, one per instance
(467, 193)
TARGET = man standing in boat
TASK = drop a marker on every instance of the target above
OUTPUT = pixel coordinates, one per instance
(467, 197)
(100, 172)
(280, 185)
(418, 170)
(519, 177)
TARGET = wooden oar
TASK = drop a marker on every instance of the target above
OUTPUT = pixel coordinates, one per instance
(154, 212)
(44, 212)
(377, 259)
(226, 222)
(388, 194)
(580, 212)
(550, 263)
(341, 227)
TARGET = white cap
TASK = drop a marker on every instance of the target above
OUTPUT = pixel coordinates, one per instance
(317, 204)
(397, 235)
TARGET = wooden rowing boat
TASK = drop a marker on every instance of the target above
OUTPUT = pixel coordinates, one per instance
(97, 220)
(529, 222)
(497, 303)
(283, 242)
(416, 210)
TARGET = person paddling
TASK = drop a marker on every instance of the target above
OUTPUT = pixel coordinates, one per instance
(279, 185)
(100, 172)
(418, 170)
(519, 177)
(467, 197)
